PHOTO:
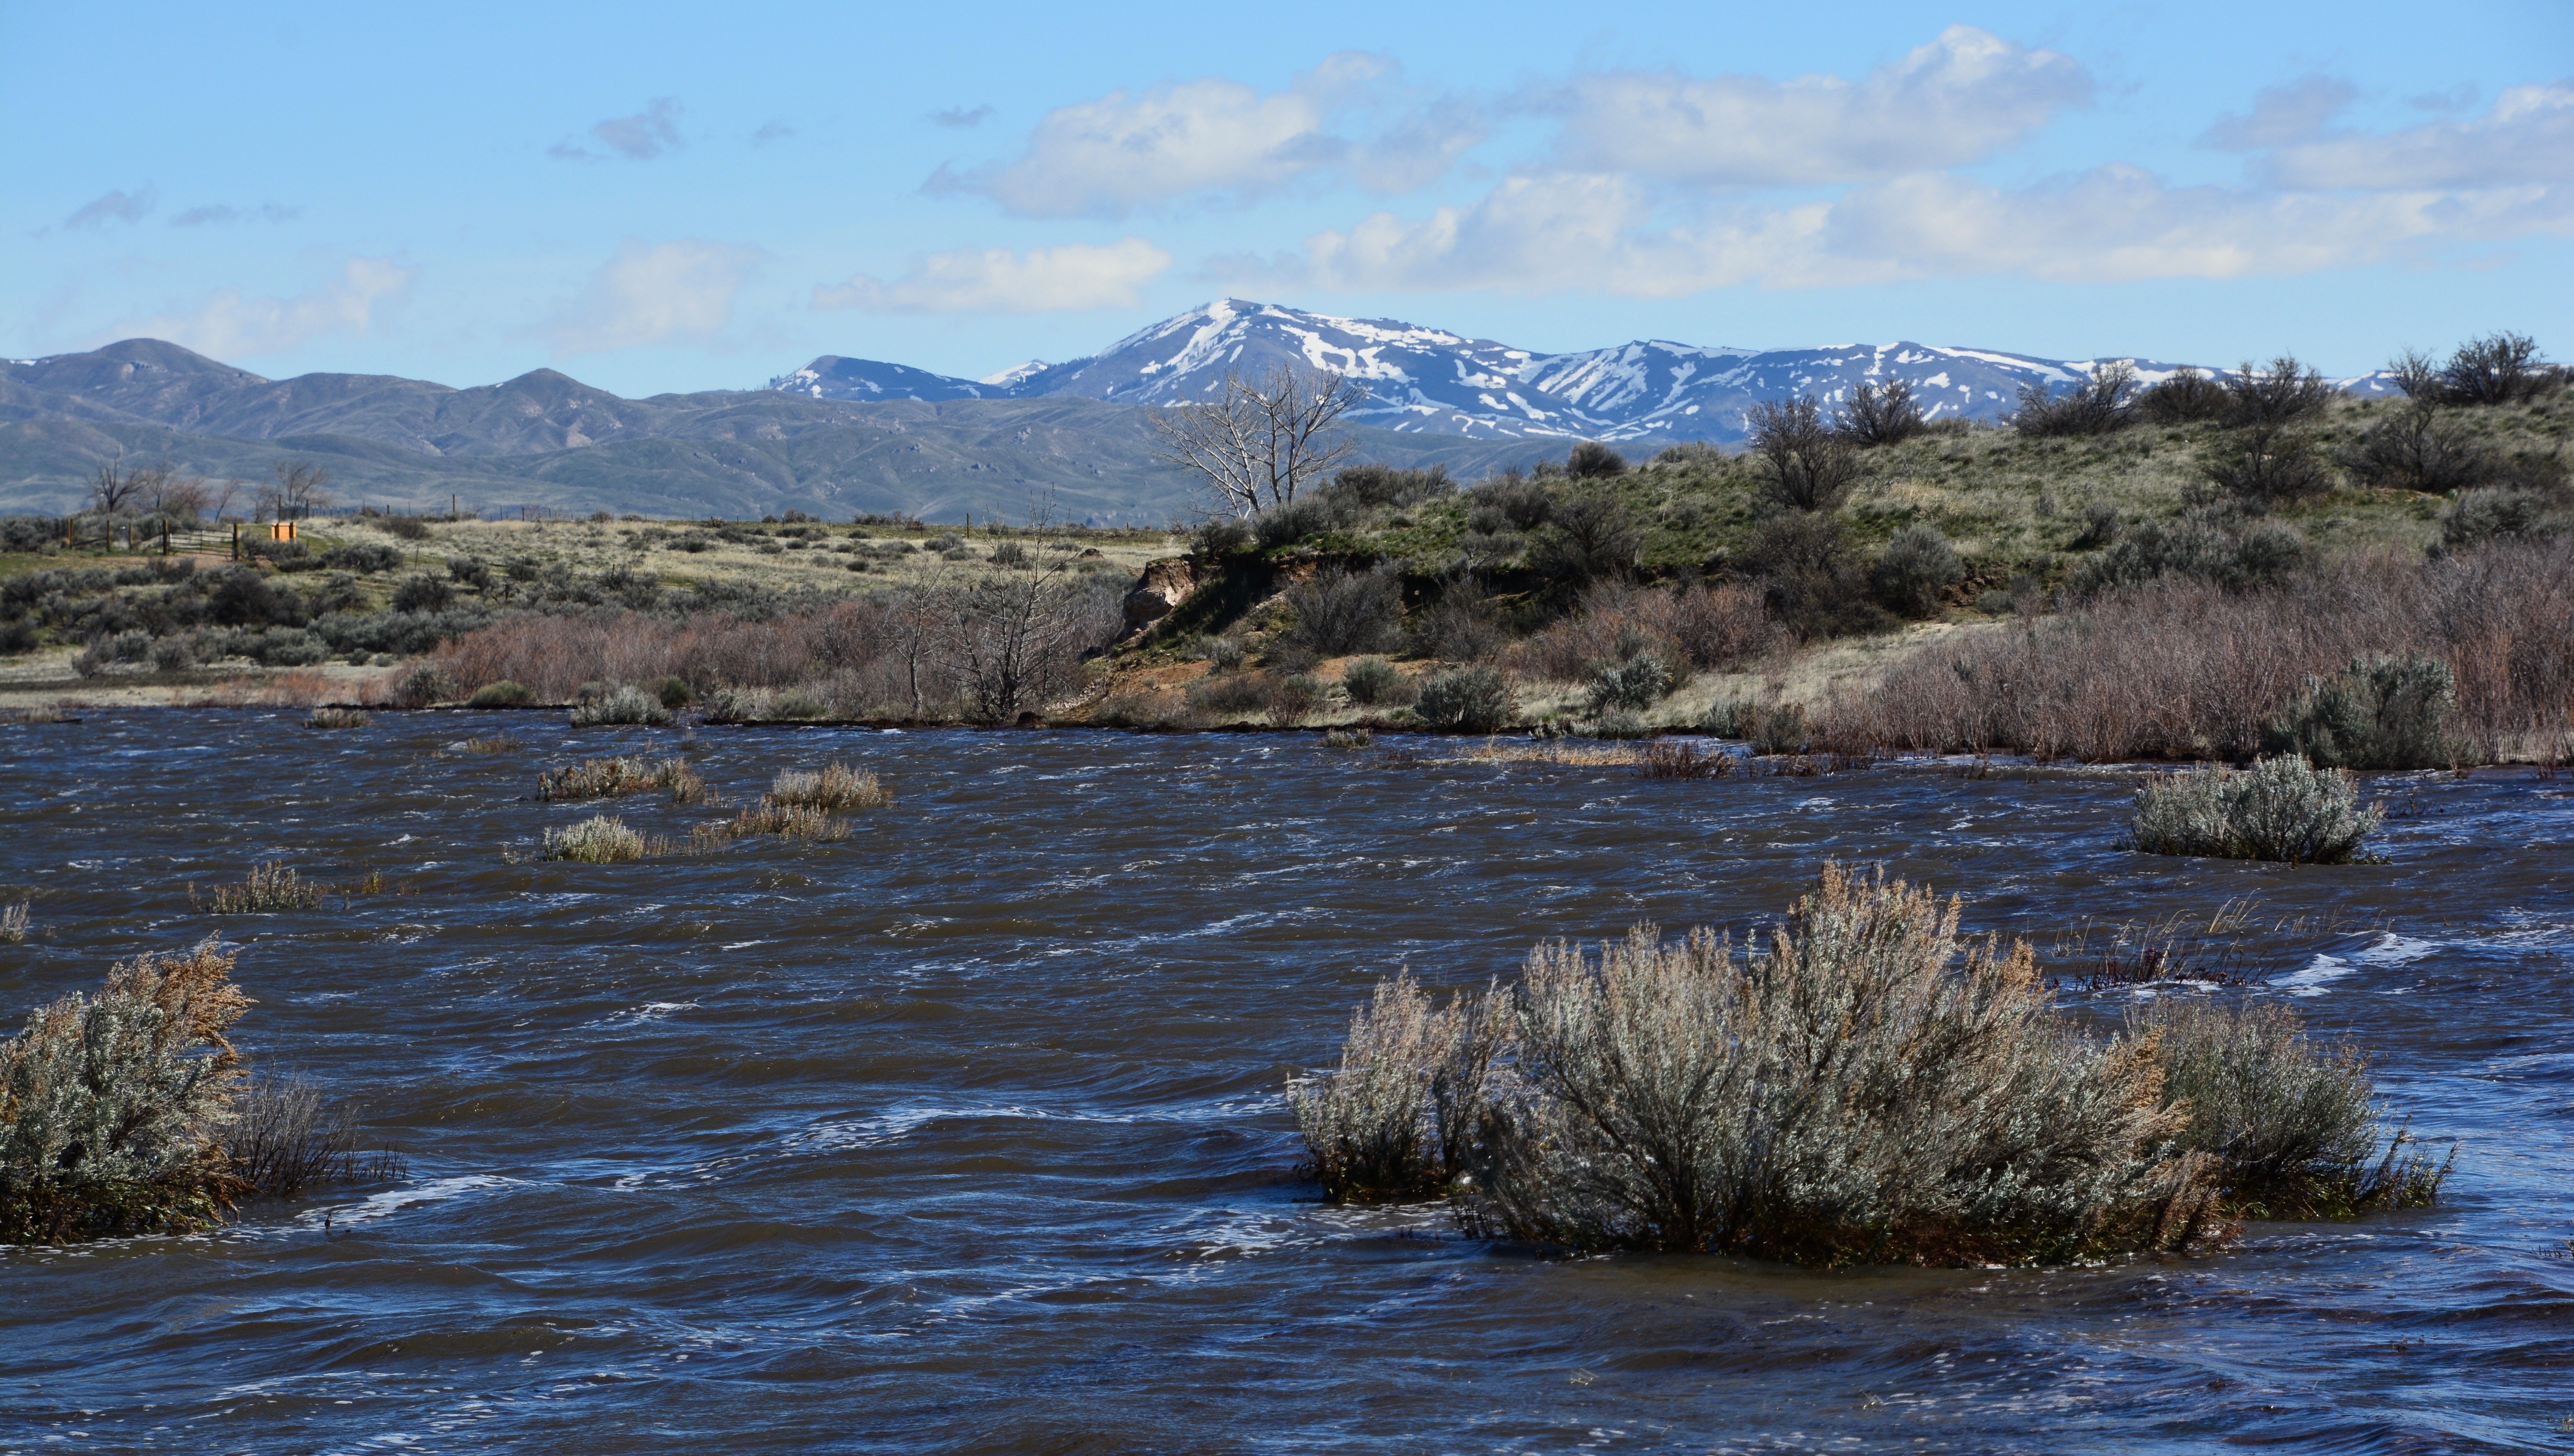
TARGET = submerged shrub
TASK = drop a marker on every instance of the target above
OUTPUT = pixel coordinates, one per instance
(2377, 713)
(2280, 809)
(270, 886)
(623, 706)
(837, 786)
(1467, 699)
(110, 1107)
(603, 840)
(788, 821)
(607, 778)
(13, 922)
(1868, 1089)
(2291, 1127)
(286, 1134)
(1396, 1118)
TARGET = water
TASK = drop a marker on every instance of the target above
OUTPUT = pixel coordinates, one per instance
(967, 1135)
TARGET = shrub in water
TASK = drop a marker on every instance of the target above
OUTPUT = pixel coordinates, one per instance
(788, 821)
(501, 694)
(836, 787)
(286, 1135)
(110, 1107)
(1349, 738)
(1396, 1118)
(2377, 713)
(604, 839)
(1371, 680)
(13, 923)
(625, 705)
(1867, 1090)
(2280, 809)
(2290, 1125)
(609, 778)
(336, 718)
(1469, 699)
(270, 886)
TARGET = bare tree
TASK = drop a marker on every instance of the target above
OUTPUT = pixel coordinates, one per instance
(115, 487)
(1259, 440)
(172, 492)
(1015, 640)
(295, 489)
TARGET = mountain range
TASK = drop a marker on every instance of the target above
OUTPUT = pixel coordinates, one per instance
(844, 434)
(1430, 382)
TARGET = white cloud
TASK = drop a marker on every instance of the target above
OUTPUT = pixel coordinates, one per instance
(2283, 113)
(1599, 233)
(653, 293)
(2528, 136)
(117, 206)
(229, 325)
(1131, 150)
(1963, 97)
(226, 212)
(639, 137)
(996, 279)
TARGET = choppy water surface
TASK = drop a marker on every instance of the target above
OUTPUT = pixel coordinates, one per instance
(968, 1134)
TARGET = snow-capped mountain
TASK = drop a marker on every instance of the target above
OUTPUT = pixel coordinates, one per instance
(1434, 381)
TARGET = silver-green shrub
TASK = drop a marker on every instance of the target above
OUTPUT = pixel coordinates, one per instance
(2291, 1125)
(625, 705)
(1394, 1120)
(2378, 713)
(1470, 699)
(1869, 1089)
(2282, 808)
(110, 1107)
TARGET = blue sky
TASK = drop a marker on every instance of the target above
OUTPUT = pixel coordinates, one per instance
(656, 198)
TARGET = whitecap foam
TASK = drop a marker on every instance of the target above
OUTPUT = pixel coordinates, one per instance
(2312, 980)
(383, 1205)
(2393, 949)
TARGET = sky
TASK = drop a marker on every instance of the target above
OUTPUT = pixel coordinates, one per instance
(654, 198)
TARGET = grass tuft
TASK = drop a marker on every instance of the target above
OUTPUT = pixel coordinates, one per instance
(601, 840)
(336, 718)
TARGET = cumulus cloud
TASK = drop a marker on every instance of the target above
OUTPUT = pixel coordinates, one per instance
(659, 293)
(116, 206)
(1963, 97)
(647, 134)
(230, 325)
(218, 213)
(996, 279)
(2528, 137)
(1131, 150)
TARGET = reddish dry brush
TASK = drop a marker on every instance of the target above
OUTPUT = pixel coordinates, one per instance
(847, 644)
(1708, 627)
(2186, 670)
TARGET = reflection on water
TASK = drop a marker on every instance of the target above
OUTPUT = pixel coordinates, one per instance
(967, 1133)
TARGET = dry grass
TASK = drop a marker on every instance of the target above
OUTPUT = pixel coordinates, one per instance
(788, 821)
(336, 718)
(496, 743)
(836, 787)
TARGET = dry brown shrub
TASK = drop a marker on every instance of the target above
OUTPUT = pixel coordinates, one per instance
(2178, 669)
(1707, 627)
